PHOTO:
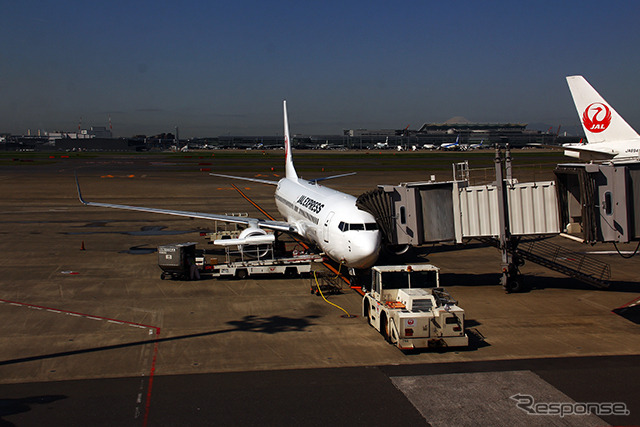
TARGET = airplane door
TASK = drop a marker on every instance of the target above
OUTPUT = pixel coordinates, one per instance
(325, 231)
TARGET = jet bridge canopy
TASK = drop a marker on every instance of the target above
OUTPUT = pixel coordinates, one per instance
(598, 201)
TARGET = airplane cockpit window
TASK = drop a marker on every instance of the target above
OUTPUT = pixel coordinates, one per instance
(369, 226)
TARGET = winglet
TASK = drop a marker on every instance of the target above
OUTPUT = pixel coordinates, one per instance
(290, 171)
(79, 192)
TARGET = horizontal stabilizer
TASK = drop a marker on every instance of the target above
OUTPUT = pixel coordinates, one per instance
(332, 177)
(261, 181)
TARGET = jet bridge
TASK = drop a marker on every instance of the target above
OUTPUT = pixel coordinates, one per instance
(596, 201)
(419, 213)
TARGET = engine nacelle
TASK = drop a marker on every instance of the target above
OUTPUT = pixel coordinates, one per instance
(254, 251)
(397, 249)
(251, 231)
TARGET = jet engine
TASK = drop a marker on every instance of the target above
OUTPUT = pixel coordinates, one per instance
(253, 250)
(397, 249)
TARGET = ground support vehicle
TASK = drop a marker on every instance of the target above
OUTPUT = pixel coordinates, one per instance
(256, 255)
(289, 266)
(409, 308)
(177, 260)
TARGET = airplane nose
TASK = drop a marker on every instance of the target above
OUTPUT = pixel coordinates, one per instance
(366, 253)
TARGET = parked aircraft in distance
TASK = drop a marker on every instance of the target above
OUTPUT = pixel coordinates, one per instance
(325, 217)
(477, 146)
(609, 136)
(451, 145)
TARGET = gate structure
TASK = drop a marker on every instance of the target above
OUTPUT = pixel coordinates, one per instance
(595, 200)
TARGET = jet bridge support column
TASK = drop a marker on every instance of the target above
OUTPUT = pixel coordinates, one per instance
(510, 280)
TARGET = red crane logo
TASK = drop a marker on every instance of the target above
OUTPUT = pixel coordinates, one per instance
(596, 117)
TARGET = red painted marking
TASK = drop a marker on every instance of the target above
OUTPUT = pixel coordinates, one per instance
(358, 289)
(630, 303)
(80, 314)
(155, 345)
(147, 404)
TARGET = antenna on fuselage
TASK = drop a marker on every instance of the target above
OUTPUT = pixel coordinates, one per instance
(290, 171)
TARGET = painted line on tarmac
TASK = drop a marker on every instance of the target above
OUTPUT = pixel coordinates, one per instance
(77, 314)
(109, 320)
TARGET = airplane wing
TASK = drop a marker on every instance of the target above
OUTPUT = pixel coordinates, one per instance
(252, 222)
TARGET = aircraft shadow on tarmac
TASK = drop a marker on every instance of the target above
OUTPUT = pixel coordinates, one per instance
(18, 406)
(265, 325)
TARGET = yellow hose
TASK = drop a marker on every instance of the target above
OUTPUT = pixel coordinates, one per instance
(326, 300)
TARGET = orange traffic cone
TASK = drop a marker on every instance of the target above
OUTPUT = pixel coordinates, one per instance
(82, 246)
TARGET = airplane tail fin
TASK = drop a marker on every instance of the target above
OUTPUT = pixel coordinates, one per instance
(601, 123)
(290, 171)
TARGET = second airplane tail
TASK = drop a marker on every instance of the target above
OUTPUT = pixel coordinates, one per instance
(601, 123)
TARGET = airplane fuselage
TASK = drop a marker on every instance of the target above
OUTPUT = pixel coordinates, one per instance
(331, 220)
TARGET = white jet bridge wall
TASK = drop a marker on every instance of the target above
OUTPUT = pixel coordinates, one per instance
(533, 210)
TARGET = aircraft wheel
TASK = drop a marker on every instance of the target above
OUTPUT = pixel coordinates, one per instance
(367, 313)
(384, 327)
(517, 286)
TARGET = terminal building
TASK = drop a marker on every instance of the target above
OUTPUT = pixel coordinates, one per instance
(93, 132)
(460, 130)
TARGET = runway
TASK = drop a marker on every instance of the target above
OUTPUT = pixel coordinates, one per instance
(90, 335)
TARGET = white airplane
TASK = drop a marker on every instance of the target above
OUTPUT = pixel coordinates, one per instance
(609, 136)
(451, 145)
(325, 217)
(477, 146)
(382, 145)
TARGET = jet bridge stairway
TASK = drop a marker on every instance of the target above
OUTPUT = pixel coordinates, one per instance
(555, 257)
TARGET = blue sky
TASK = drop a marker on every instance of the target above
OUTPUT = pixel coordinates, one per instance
(217, 68)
